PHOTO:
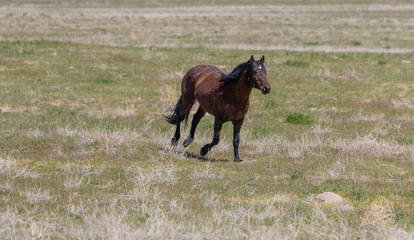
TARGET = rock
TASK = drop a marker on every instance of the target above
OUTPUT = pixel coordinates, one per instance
(344, 208)
(329, 198)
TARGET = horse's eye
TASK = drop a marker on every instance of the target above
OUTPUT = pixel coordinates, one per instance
(254, 72)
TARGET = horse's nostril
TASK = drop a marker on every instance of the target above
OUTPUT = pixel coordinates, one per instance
(265, 89)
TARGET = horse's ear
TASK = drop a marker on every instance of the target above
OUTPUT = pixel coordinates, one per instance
(262, 60)
(251, 59)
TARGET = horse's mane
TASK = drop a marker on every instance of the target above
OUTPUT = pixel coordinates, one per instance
(235, 74)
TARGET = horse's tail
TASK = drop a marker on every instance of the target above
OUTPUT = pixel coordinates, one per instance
(172, 119)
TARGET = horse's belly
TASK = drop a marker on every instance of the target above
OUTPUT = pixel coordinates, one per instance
(231, 114)
(206, 101)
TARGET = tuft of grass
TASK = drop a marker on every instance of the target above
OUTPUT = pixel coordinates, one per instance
(382, 61)
(102, 80)
(296, 173)
(312, 43)
(292, 63)
(356, 43)
(405, 141)
(299, 118)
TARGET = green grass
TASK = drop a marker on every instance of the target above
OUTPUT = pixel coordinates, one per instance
(405, 141)
(312, 43)
(299, 118)
(356, 43)
(84, 146)
(382, 61)
(296, 63)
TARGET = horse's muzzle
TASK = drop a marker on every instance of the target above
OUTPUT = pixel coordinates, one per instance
(265, 89)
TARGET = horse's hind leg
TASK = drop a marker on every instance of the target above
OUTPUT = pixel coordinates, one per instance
(176, 119)
(217, 129)
(177, 135)
(182, 111)
(196, 119)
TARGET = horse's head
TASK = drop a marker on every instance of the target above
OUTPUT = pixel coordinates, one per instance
(257, 75)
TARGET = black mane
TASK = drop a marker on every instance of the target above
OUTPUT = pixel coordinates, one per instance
(235, 74)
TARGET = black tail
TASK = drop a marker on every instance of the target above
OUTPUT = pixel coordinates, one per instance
(172, 119)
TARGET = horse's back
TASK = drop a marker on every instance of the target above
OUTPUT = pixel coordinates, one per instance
(202, 76)
(201, 72)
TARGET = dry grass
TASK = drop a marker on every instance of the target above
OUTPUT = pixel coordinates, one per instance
(85, 152)
(308, 144)
(278, 216)
(37, 196)
(330, 28)
(87, 142)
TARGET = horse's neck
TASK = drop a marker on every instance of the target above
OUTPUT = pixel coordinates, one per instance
(242, 89)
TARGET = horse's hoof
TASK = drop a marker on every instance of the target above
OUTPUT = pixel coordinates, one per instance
(174, 142)
(238, 160)
(203, 151)
(187, 142)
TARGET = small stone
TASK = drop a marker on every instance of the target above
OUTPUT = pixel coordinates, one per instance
(344, 208)
(329, 198)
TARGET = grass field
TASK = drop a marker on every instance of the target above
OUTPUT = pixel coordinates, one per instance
(363, 27)
(85, 151)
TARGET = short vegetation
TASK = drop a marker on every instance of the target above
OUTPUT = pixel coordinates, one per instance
(293, 63)
(299, 118)
(85, 151)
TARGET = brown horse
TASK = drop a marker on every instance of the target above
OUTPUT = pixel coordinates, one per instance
(225, 96)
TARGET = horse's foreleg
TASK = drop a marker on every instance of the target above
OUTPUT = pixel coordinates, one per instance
(237, 125)
(217, 129)
(196, 119)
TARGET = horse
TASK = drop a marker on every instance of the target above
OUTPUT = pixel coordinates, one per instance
(225, 96)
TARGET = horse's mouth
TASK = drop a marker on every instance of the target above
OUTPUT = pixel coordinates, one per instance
(265, 89)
